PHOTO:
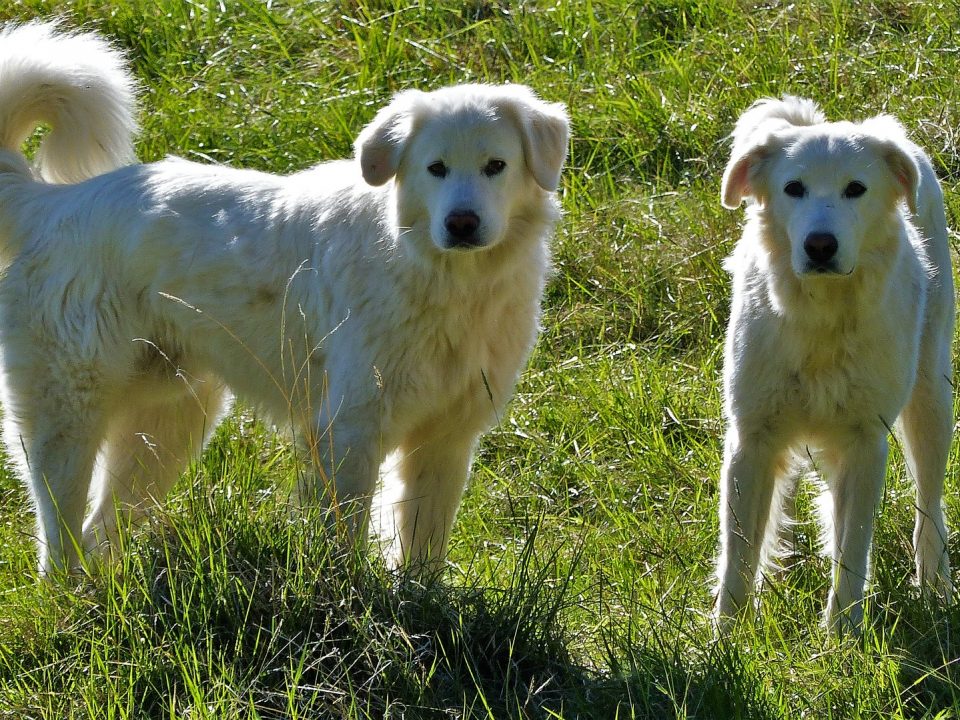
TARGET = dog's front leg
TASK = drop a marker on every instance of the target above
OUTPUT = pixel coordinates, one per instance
(746, 495)
(855, 479)
(429, 478)
(342, 458)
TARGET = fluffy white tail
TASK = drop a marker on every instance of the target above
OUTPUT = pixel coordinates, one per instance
(78, 85)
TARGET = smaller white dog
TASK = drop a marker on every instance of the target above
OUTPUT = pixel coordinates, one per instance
(381, 304)
(840, 328)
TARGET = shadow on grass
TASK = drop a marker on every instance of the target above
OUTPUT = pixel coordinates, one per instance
(922, 634)
(264, 620)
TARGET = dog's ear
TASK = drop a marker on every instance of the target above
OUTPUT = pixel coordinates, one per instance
(894, 147)
(905, 169)
(736, 183)
(544, 130)
(379, 146)
(742, 176)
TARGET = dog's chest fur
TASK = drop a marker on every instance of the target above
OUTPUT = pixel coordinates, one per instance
(823, 352)
(847, 370)
(471, 325)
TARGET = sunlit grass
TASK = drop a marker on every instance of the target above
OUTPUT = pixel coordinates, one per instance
(581, 560)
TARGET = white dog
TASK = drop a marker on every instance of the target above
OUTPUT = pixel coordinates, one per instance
(382, 304)
(841, 326)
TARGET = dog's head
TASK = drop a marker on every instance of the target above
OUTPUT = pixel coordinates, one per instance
(826, 187)
(465, 158)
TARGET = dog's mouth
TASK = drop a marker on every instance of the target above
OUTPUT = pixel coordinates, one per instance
(828, 269)
(474, 242)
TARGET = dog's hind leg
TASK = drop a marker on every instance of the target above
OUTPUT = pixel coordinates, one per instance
(56, 436)
(149, 443)
(926, 427)
(747, 482)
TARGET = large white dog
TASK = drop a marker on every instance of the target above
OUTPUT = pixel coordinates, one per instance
(381, 304)
(841, 326)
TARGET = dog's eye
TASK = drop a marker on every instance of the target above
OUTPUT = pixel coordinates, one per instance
(494, 167)
(854, 190)
(795, 189)
(437, 169)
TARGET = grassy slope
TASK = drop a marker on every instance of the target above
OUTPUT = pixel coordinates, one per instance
(580, 566)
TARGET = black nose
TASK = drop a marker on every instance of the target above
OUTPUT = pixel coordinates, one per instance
(820, 247)
(462, 226)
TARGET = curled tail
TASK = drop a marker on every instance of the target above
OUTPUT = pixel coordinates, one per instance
(78, 85)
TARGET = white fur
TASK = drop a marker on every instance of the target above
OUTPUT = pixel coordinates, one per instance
(825, 354)
(342, 308)
(78, 84)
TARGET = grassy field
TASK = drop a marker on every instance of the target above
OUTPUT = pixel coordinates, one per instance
(579, 572)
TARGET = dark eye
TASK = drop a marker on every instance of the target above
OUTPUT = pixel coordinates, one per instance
(795, 189)
(437, 169)
(854, 190)
(494, 167)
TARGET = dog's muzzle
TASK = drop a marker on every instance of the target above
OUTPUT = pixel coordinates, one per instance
(821, 250)
(463, 228)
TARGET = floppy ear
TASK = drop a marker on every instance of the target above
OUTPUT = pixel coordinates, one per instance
(544, 130)
(740, 179)
(379, 146)
(905, 170)
(894, 147)
(735, 182)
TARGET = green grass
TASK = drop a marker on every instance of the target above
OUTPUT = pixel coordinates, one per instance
(579, 571)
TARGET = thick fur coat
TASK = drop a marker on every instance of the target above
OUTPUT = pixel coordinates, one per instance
(840, 329)
(382, 304)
